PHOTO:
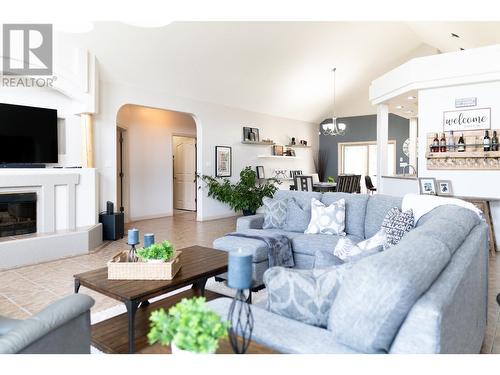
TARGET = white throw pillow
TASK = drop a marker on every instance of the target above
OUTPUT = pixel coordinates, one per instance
(327, 220)
(346, 249)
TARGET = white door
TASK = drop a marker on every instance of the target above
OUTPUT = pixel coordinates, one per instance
(184, 173)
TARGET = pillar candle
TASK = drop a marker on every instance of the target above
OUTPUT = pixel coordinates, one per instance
(149, 239)
(133, 236)
(239, 269)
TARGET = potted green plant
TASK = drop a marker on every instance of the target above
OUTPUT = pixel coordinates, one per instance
(330, 179)
(188, 327)
(157, 253)
(245, 195)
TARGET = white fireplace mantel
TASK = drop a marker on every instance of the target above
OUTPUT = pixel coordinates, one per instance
(67, 207)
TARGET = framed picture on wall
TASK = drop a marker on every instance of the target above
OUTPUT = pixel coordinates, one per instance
(256, 134)
(223, 160)
(444, 187)
(260, 171)
(427, 185)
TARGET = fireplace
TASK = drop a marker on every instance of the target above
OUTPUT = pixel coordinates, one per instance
(17, 214)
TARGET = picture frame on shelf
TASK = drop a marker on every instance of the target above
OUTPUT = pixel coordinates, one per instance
(246, 133)
(444, 188)
(278, 150)
(260, 172)
(257, 135)
(223, 161)
(427, 185)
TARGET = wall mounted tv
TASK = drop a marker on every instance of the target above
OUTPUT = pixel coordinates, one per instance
(27, 134)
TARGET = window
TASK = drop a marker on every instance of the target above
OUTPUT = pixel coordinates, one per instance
(361, 158)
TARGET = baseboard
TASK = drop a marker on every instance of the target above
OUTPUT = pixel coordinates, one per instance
(149, 217)
(217, 217)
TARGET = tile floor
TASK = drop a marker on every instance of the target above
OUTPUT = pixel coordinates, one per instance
(26, 290)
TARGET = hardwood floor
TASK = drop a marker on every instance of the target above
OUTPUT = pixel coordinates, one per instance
(25, 291)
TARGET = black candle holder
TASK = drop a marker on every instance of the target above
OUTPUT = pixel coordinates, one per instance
(241, 319)
(132, 253)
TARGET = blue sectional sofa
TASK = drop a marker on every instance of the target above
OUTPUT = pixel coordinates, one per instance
(428, 294)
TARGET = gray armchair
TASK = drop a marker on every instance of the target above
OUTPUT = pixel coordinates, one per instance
(61, 328)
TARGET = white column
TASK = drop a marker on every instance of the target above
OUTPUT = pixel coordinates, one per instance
(413, 142)
(382, 142)
(87, 140)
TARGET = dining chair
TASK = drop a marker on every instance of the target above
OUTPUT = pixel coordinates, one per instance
(303, 183)
(369, 185)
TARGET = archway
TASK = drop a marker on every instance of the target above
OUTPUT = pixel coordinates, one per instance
(145, 165)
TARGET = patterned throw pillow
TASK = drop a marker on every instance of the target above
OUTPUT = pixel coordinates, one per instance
(275, 212)
(347, 250)
(303, 295)
(396, 224)
(297, 216)
(327, 219)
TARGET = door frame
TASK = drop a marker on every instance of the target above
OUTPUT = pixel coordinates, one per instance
(123, 184)
(341, 161)
(195, 182)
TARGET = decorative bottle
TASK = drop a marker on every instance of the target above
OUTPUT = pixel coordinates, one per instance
(486, 141)
(494, 141)
(461, 144)
(442, 143)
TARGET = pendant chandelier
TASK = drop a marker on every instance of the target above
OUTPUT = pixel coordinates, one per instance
(330, 126)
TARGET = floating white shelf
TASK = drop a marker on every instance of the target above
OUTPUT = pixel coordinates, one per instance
(297, 146)
(258, 143)
(276, 157)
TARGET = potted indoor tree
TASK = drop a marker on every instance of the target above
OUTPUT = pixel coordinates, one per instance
(157, 253)
(188, 327)
(245, 195)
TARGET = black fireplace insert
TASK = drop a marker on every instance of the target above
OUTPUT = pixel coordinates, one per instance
(17, 214)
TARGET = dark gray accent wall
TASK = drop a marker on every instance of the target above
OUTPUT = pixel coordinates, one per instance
(363, 128)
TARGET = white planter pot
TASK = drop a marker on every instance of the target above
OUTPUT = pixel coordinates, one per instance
(177, 350)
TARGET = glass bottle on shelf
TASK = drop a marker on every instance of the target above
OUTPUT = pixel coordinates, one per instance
(494, 141)
(486, 141)
(451, 142)
(442, 143)
(435, 143)
(461, 144)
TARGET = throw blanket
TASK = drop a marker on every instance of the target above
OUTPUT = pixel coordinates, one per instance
(278, 247)
(422, 204)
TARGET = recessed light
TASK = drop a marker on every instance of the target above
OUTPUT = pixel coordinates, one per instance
(412, 97)
(453, 35)
(399, 107)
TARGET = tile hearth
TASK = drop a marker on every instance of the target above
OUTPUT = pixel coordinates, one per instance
(26, 290)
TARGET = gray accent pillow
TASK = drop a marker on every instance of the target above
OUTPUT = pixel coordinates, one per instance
(303, 295)
(379, 291)
(298, 216)
(274, 213)
(396, 224)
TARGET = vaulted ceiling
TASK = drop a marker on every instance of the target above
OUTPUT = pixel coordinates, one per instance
(278, 68)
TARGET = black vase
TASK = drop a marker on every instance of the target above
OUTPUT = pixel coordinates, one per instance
(248, 212)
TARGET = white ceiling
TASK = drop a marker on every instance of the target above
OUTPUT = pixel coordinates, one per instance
(278, 68)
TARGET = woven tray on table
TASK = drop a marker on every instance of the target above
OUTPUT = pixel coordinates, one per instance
(120, 269)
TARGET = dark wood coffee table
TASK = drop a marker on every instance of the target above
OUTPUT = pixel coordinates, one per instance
(127, 332)
(224, 348)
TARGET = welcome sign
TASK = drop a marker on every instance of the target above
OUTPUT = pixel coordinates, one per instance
(471, 119)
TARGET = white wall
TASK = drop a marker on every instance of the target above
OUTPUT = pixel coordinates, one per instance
(216, 125)
(150, 167)
(432, 104)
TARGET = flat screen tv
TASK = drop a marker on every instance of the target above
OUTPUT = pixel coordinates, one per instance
(27, 134)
